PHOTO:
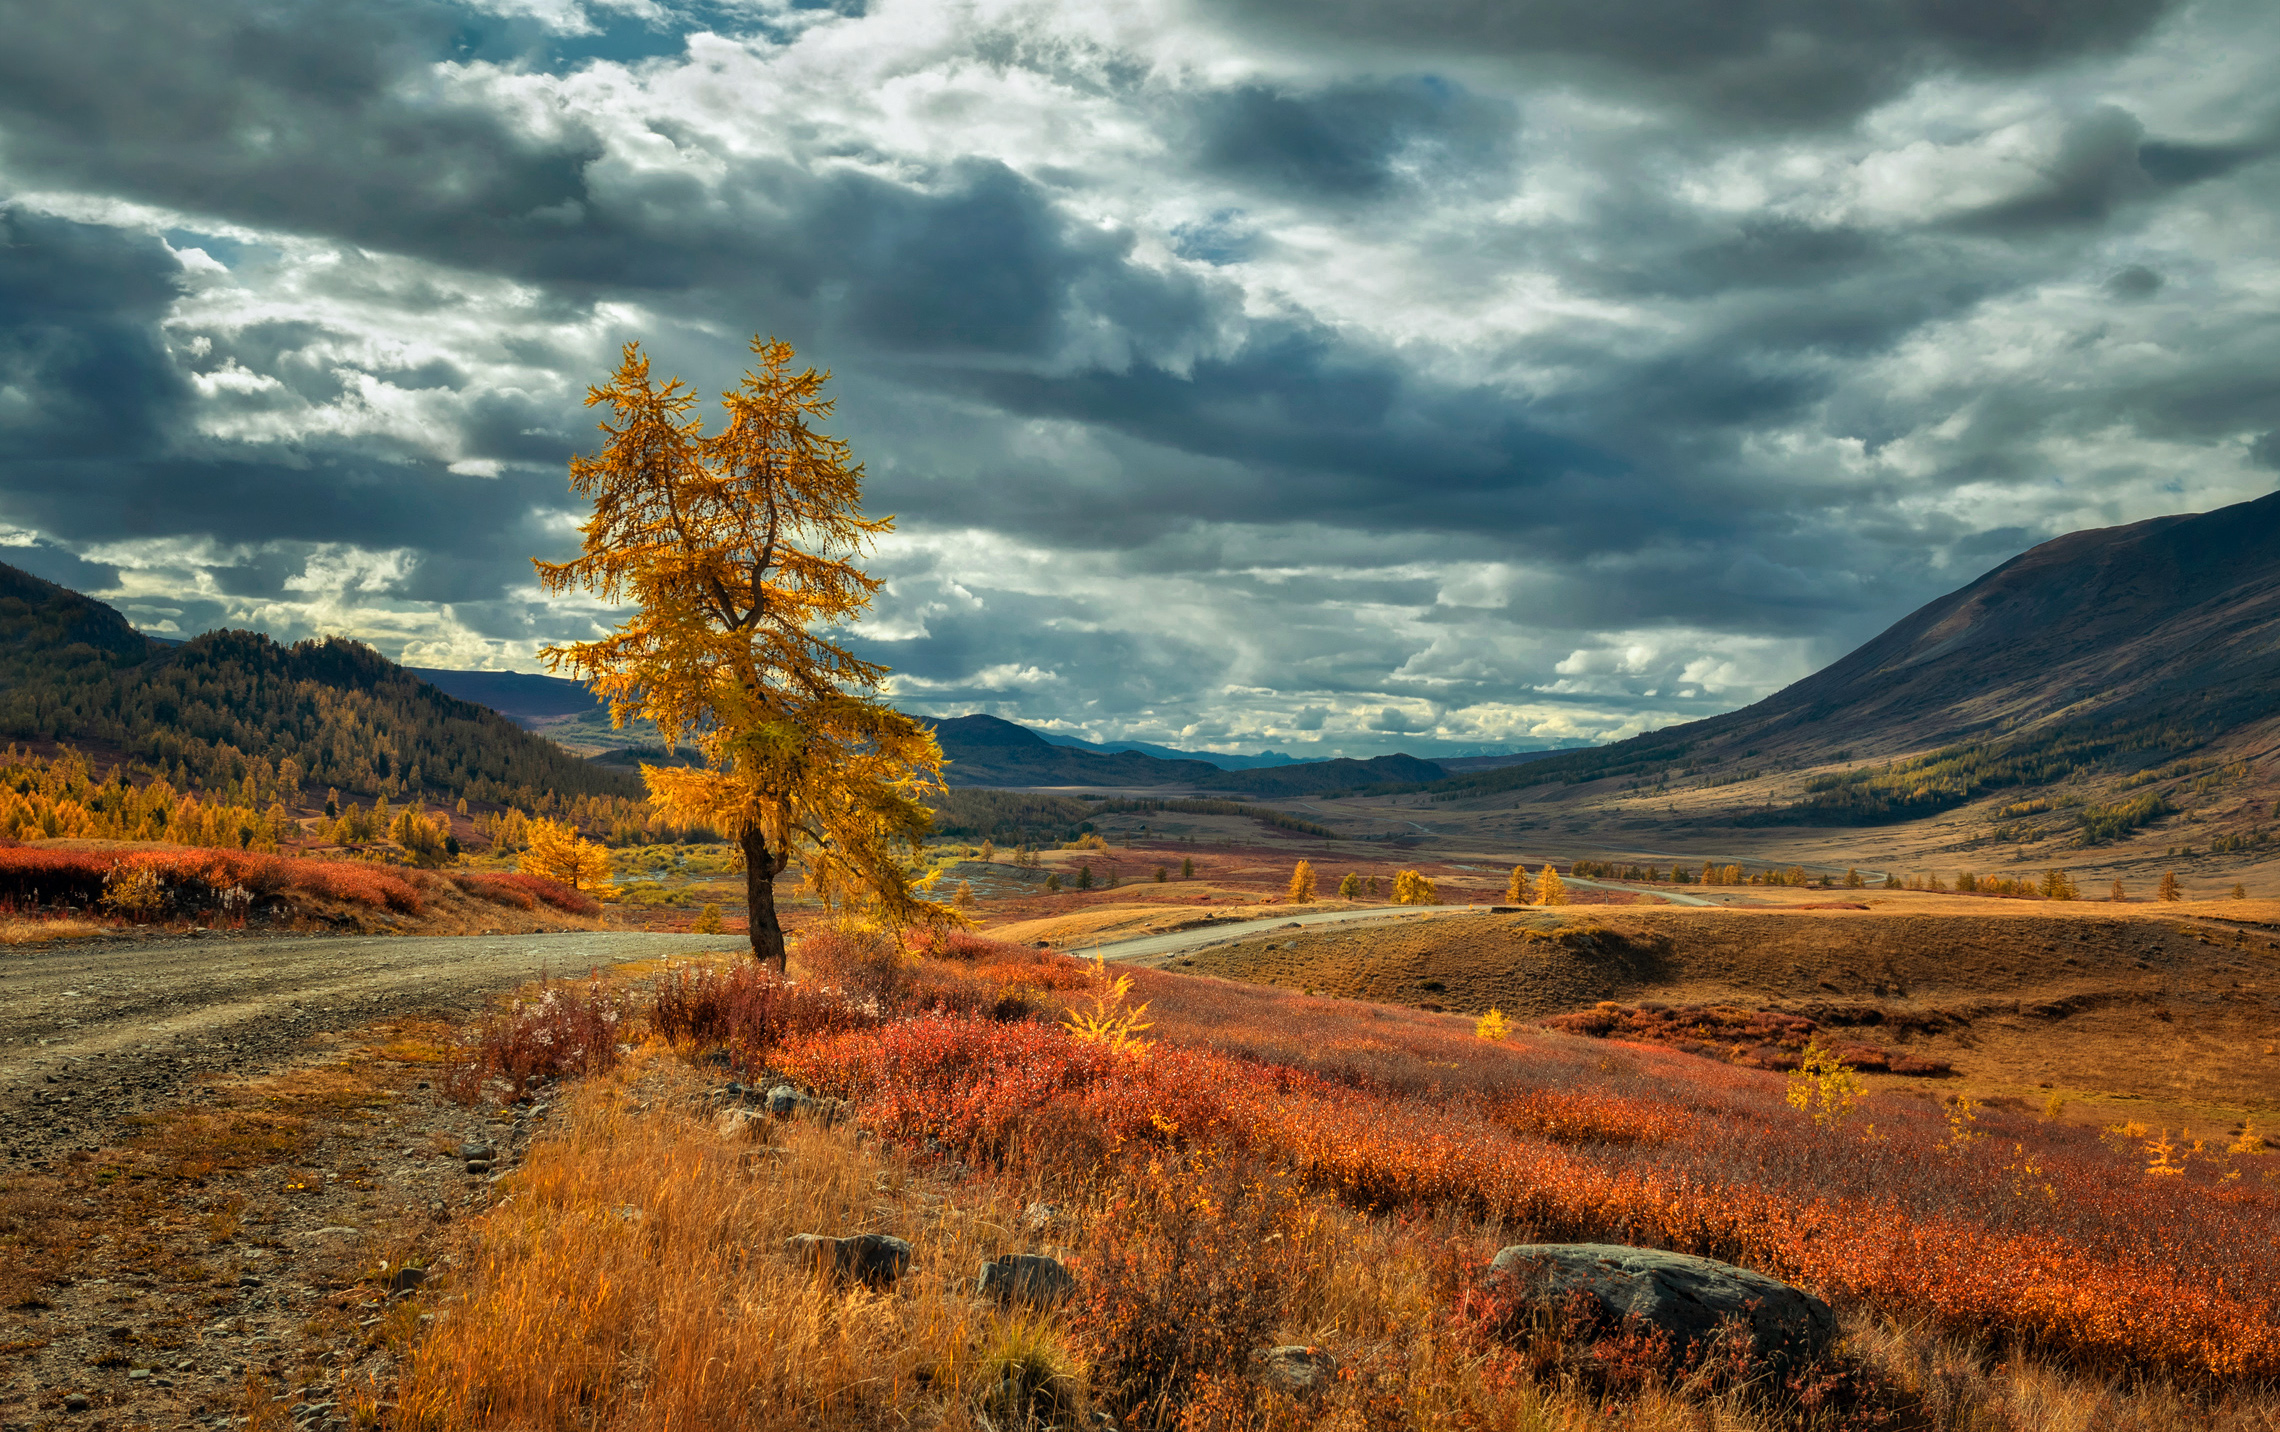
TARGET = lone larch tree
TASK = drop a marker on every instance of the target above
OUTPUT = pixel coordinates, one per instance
(737, 555)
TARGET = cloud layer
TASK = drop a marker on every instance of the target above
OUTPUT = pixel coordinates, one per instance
(1345, 379)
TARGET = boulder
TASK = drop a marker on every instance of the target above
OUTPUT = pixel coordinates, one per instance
(873, 1259)
(1684, 1296)
(785, 1100)
(1029, 1278)
(1298, 1371)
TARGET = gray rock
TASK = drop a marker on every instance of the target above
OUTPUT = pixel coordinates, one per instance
(475, 1149)
(874, 1259)
(406, 1279)
(1299, 1371)
(784, 1101)
(1030, 1278)
(1684, 1296)
(1038, 1217)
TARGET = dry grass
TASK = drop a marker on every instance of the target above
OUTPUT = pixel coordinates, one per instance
(20, 930)
(635, 1279)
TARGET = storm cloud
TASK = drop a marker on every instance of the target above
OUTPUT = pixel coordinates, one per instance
(1342, 378)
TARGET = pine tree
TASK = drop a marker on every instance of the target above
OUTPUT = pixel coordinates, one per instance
(1084, 877)
(1411, 888)
(1302, 883)
(2239, 891)
(1516, 891)
(964, 898)
(1187, 867)
(1853, 880)
(2169, 890)
(989, 852)
(2117, 897)
(1350, 888)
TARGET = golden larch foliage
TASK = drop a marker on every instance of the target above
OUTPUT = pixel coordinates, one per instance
(1550, 889)
(737, 553)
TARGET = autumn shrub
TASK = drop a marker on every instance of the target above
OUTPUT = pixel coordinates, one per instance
(526, 892)
(1186, 1276)
(748, 1009)
(560, 1030)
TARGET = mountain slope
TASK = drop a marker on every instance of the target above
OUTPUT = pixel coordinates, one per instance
(2104, 652)
(985, 751)
(1171, 753)
(214, 706)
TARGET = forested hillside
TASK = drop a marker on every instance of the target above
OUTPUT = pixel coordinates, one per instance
(228, 705)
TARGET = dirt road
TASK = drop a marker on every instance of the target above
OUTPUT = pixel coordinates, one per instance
(1225, 931)
(93, 1032)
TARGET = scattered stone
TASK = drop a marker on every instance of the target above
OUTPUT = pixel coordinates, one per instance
(785, 1101)
(137, 1374)
(1038, 1217)
(1684, 1296)
(405, 1279)
(75, 1402)
(739, 1125)
(477, 1168)
(1029, 1278)
(1299, 1371)
(874, 1259)
(475, 1150)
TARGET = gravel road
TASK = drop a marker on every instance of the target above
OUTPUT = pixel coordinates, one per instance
(93, 1032)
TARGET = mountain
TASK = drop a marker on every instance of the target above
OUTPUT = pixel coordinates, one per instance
(2098, 657)
(211, 708)
(1169, 753)
(985, 751)
(520, 696)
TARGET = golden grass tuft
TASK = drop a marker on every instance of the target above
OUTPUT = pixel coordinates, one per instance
(22, 930)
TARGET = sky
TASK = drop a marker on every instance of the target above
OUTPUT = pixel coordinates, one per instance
(1338, 378)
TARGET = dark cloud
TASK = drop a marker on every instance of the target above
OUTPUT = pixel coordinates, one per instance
(2136, 281)
(80, 355)
(1793, 62)
(1351, 141)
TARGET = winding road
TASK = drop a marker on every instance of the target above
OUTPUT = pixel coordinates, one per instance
(1222, 931)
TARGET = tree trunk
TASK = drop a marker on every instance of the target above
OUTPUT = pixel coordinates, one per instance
(760, 900)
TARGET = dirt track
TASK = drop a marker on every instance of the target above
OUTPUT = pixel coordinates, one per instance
(94, 1032)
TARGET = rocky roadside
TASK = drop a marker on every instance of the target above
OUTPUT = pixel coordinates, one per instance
(261, 1260)
(231, 1181)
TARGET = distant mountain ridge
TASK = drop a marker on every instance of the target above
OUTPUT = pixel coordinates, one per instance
(2105, 652)
(987, 751)
(1224, 761)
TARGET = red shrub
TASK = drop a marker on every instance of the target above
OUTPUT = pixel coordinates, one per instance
(561, 1031)
(525, 892)
(195, 878)
(748, 1009)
